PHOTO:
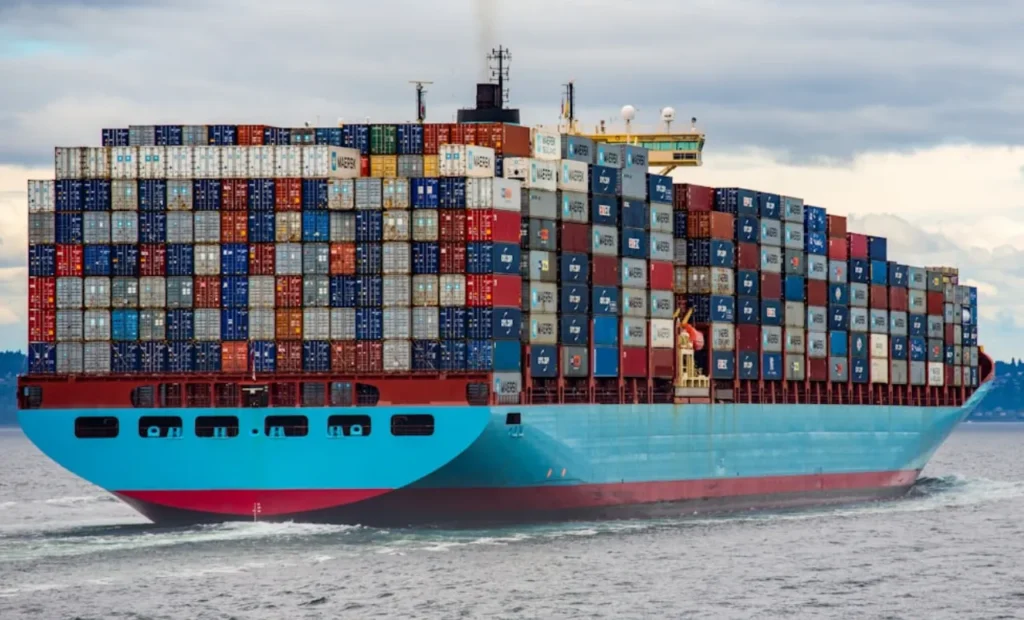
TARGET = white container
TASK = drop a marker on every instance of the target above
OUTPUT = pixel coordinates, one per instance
(124, 162)
(69, 162)
(124, 195)
(534, 173)
(424, 291)
(179, 227)
(206, 226)
(234, 162)
(152, 292)
(179, 194)
(662, 334)
(288, 162)
(494, 193)
(397, 355)
(397, 258)
(179, 162)
(546, 145)
(261, 162)
(425, 225)
(332, 162)
(879, 371)
(97, 162)
(396, 225)
(261, 324)
(124, 227)
(543, 328)
(96, 325)
(936, 374)
(573, 176)
(206, 162)
(288, 227)
(425, 323)
(879, 346)
(397, 322)
(460, 160)
(341, 194)
(69, 325)
(343, 323)
(316, 324)
(96, 292)
(41, 197)
(452, 290)
(152, 162)
(288, 259)
(206, 322)
(395, 193)
(261, 292)
(397, 292)
(96, 357)
(206, 258)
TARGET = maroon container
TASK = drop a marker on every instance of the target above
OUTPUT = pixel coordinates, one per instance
(858, 245)
(950, 372)
(711, 225)
(661, 276)
(633, 362)
(453, 258)
(207, 292)
(936, 303)
(289, 356)
(748, 338)
(837, 249)
(605, 271)
(369, 357)
(575, 237)
(343, 357)
(262, 259)
(42, 325)
(771, 286)
(950, 334)
(70, 259)
(817, 293)
(748, 256)
(878, 297)
(234, 227)
(663, 363)
(288, 195)
(452, 226)
(250, 135)
(288, 292)
(42, 293)
(689, 197)
(837, 227)
(152, 260)
(497, 291)
(817, 369)
(898, 299)
(234, 195)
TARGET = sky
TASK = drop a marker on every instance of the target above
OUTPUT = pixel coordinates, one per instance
(906, 115)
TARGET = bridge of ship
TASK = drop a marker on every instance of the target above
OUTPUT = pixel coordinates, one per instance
(665, 150)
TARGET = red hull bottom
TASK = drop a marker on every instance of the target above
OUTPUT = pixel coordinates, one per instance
(457, 506)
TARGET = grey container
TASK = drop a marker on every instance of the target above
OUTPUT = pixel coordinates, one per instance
(973, 361)
(859, 320)
(206, 259)
(578, 148)
(771, 259)
(935, 325)
(69, 358)
(398, 291)
(948, 315)
(41, 228)
(207, 324)
(958, 377)
(796, 262)
(179, 195)
(96, 292)
(838, 271)
(604, 241)
(397, 225)
(206, 226)
(410, 166)
(680, 282)
(425, 225)
(341, 194)
(195, 135)
(795, 370)
(316, 259)
(917, 301)
(153, 325)
(397, 323)
(795, 314)
(343, 227)
(633, 333)
(424, 290)
(661, 247)
(771, 233)
(949, 294)
(451, 290)
(96, 325)
(917, 279)
(771, 339)
(935, 282)
(575, 362)
(507, 387)
(539, 204)
(69, 293)
(316, 324)
(792, 208)
(793, 235)
(124, 195)
(543, 235)
(397, 356)
(679, 253)
(662, 304)
(817, 267)
(70, 326)
(918, 373)
(963, 295)
(794, 341)
(573, 207)
(541, 328)
(958, 334)
(958, 355)
(543, 266)
(288, 259)
(316, 293)
(541, 297)
(634, 303)
(936, 350)
(698, 281)
(262, 292)
(425, 323)
(817, 345)
(179, 292)
(142, 135)
(95, 227)
(898, 325)
(838, 369)
(396, 193)
(369, 194)
(723, 337)
(859, 295)
(879, 321)
(152, 292)
(96, 358)
(397, 258)
(633, 183)
(179, 227)
(288, 227)
(662, 218)
(124, 227)
(634, 273)
(261, 324)
(817, 318)
(343, 323)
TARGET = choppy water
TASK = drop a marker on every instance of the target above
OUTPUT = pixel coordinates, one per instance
(953, 549)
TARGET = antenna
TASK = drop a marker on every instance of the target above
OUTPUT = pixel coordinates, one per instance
(502, 57)
(569, 105)
(668, 115)
(421, 100)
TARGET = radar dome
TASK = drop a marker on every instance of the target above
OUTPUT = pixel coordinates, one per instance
(628, 112)
(668, 114)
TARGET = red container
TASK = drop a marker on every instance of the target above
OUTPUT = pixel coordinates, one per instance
(452, 226)
(858, 245)
(444, 133)
(949, 335)
(234, 195)
(234, 357)
(817, 369)
(748, 256)
(837, 227)
(234, 227)
(430, 138)
(494, 291)
(898, 299)
(152, 259)
(207, 291)
(711, 225)
(288, 292)
(369, 357)
(288, 195)
(575, 237)
(817, 293)
(42, 293)
(661, 275)
(689, 197)
(771, 286)
(748, 338)
(663, 363)
(364, 166)
(289, 356)
(343, 259)
(343, 357)
(493, 225)
(453, 258)
(950, 374)
(42, 325)
(936, 303)
(837, 249)
(469, 133)
(506, 140)
(633, 362)
(288, 326)
(250, 135)
(262, 259)
(878, 297)
(69, 261)
(604, 271)
(456, 134)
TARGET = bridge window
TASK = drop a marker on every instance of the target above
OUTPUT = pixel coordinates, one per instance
(31, 397)
(105, 427)
(198, 394)
(348, 426)
(418, 425)
(478, 393)
(152, 426)
(283, 394)
(226, 394)
(143, 397)
(341, 394)
(367, 395)
(314, 394)
(219, 426)
(286, 426)
(170, 395)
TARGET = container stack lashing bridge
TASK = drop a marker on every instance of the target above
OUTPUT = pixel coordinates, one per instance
(690, 384)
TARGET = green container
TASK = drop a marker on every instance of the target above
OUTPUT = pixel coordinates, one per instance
(383, 140)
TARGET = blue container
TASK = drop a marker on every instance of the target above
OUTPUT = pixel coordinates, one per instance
(124, 358)
(452, 323)
(261, 194)
(838, 318)
(679, 224)
(410, 139)
(369, 226)
(506, 323)
(115, 137)
(605, 361)
(749, 312)
(859, 346)
(180, 324)
(96, 260)
(949, 354)
(633, 243)
(574, 329)
(838, 294)
(479, 323)
(96, 195)
(488, 257)
(974, 376)
(323, 135)
(698, 252)
(69, 228)
(508, 356)
(207, 357)
(42, 260)
(316, 356)
(316, 226)
(314, 194)
(452, 193)
(152, 195)
(369, 324)
(604, 180)
(343, 291)
(273, 136)
(838, 344)
(369, 258)
(748, 229)
(634, 215)
(42, 358)
(741, 202)
(426, 258)
(748, 283)
(234, 292)
(425, 193)
(879, 273)
(769, 205)
(356, 137)
(223, 135)
(261, 226)
(181, 357)
(815, 220)
(815, 243)
(234, 259)
(918, 349)
(605, 300)
(152, 357)
(794, 288)
(575, 299)
(877, 248)
(544, 361)
(234, 324)
(426, 355)
(918, 325)
(180, 259)
(152, 227)
(723, 253)
(369, 291)
(859, 370)
(898, 348)
(453, 355)
(659, 188)
(264, 355)
(168, 135)
(124, 260)
(723, 365)
(574, 268)
(606, 330)
(206, 194)
(480, 355)
(68, 195)
(124, 325)
(771, 313)
(712, 308)
(972, 295)
(748, 366)
(899, 275)
(859, 271)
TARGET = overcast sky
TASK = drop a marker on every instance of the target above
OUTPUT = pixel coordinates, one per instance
(904, 113)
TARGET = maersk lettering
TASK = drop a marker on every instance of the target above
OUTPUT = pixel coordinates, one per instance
(663, 333)
(772, 338)
(635, 273)
(664, 247)
(347, 161)
(634, 331)
(545, 174)
(482, 161)
(636, 303)
(544, 298)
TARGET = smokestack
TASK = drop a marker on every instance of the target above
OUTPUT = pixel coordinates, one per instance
(485, 16)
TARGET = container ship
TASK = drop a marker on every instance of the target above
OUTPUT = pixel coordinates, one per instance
(470, 322)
